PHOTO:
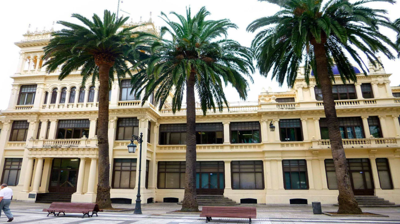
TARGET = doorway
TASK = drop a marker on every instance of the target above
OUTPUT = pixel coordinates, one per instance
(64, 175)
(210, 178)
(361, 176)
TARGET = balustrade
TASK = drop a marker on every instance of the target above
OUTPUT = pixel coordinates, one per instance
(358, 142)
(23, 107)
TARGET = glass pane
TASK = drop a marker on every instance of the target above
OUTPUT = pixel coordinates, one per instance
(161, 180)
(117, 179)
(128, 133)
(247, 181)
(359, 132)
(120, 133)
(358, 181)
(256, 136)
(350, 133)
(342, 132)
(204, 181)
(63, 178)
(287, 181)
(172, 180)
(295, 179)
(125, 179)
(214, 180)
(375, 131)
(54, 178)
(259, 181)
(21, 135)
(197, 181)
(69, 133)
(332, 182)
(72, 178)
(303, 180)
(384, 179)
(234, 137)
(22, 99)
(182, 180)
(175, 138)
(368, 180)
(221, 181)
(291, 134)
(132, 184)
(235, 181)
(12, 177)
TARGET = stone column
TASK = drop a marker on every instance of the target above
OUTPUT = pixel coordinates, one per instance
(267, 176)
(300, 93)
(48, 98)
(92, 129)
(382, 119)
(226, 132)
(38, 97)
(375, 89)
(264, 130)
(30, 63)
(96, 95)
(81, 173)
(280, 175)
(358, 91)
(394, 164)
(20, 63)
(111, 140)
(228, 174)
(115, 94)
(28, 175)
(143, 128)
(58, 96)
(388, 89)
(67, 95)
(374, 170)
(312, 92)
(276, 124)
(317, 130)
(38, 175)
(310, 174)
(396, 124)
(366, 126)
(32, 130)
(92, 176)
(37, 63)
(14, 96)
(4, 136)
(305, 128)
(323, 174)
(87, 88)
(77, 93)
(53, 128)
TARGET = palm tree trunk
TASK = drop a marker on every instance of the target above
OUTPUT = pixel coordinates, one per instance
(347, 202)
(189, 203)
(103, 187)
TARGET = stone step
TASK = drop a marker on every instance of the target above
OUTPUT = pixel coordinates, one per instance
(374, 201)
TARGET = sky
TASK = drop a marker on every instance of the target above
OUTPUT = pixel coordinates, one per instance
(16, 16)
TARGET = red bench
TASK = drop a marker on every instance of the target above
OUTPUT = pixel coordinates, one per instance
(63, 207)
(229, 212)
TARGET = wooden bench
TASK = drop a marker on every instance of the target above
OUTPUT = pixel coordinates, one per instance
(229, 212)
(63, 207)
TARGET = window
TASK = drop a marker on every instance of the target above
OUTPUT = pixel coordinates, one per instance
(146, 185)
(19, 131)
(247, 175)
(331, 174)
(91, 94)
(295, 174)
(366, 90)
(350, 127)
(209, 133)
(290, 130)
(171, 175)
(54, 96)
(27, 95)
(396, 94)
(126, 88)
(284, 100)
(340, 92)
(81, 95)
(73, 129)
(151, 98)
(63, 95)
(385, 178)
(127, 127)
(48, 129)
(245, 132)
(124, 173)
(375, 127)
(149, 132)
(72, 95)
(12, 169)
(46, 95)
(38, 131)
(172, 134)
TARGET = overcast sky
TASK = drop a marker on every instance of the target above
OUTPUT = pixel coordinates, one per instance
(16, 15)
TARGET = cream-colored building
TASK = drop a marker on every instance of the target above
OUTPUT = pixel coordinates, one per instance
(272, 151)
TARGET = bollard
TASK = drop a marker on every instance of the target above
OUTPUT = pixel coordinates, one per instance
(316, 206)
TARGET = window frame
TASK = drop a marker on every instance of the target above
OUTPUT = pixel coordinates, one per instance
(91, 94)
(182, 170)
(317, 91)
(63, 96)
(290, 173)
(252, 131)
(72, 95)
(285, 100)
(342, 124)
(376, 118)
(126, 97)
(254, 168)
(287, 128)
(389, 174)
(39, 129)
(364, 90)
(81, 95)
(26, 93)
(81, 129)
(15, 128)
(180, 128)
(131, 169)
(120, 120)
(16, 182)
(217, 129)
(53, 98)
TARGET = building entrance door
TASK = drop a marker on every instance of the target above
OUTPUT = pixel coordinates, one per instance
(64, 175)
(210, 178)
(361, 176)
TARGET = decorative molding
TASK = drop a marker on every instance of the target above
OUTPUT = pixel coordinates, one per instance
(63, 152)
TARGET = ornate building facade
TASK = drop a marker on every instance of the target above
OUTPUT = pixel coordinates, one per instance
(273, 151)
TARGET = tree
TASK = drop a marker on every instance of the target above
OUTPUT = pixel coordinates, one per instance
(194, 57)
(101, 49)
(321, 35)
(397, 24)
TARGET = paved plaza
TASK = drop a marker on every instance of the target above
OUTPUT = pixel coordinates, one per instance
(164, 213)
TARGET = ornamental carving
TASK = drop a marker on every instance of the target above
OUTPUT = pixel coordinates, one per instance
(63, 152)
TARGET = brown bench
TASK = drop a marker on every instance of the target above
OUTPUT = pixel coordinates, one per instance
(62, 207)
(229, 212)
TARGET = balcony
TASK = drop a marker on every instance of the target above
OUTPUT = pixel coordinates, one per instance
(23, 107)
(63, 143)
(358, 143)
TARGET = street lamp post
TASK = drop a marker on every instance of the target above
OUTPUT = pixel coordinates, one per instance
(131, 149)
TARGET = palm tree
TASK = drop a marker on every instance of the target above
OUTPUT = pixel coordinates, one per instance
(101, 49)
(194, 57)
(397, 24)
(321, 35)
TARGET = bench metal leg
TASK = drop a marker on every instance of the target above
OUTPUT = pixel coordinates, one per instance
(208, 219)
(249, 220)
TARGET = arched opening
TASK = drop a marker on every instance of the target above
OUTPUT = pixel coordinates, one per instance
(54, 96)
(72, 95)
(63, 95)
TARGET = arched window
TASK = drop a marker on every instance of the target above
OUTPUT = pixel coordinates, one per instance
(81, 95)
(91, 94)
(46, 95)
(63, 95)
(72, 95)
(54, 96)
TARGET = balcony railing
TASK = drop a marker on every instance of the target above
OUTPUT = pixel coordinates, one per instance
(350, 102)
(359, 142)
(23, 107)
(63, 143)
